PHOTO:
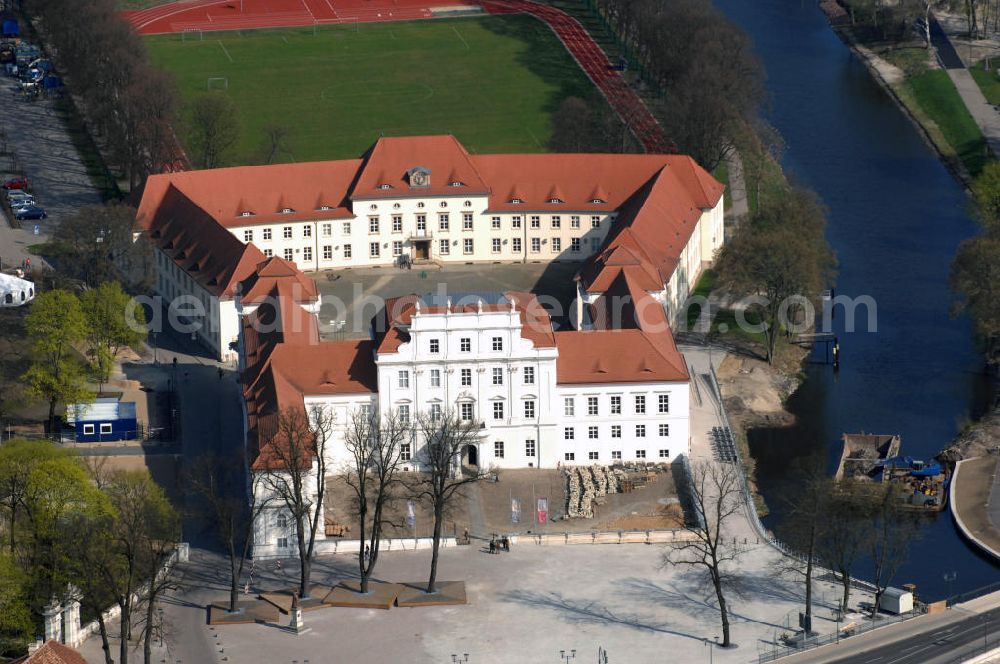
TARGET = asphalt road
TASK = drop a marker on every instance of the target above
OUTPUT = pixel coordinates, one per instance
(953, 642)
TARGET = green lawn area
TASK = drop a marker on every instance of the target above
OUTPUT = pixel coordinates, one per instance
(938, 98)
(702, 289)
(491, 81)
(988, 81)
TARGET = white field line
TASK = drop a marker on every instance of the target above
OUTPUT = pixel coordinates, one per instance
(462, 38)
(225, 51)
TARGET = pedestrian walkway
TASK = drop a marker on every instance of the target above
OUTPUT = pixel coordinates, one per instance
(975, 502)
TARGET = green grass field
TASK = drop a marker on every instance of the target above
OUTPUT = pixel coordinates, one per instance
(492, 81)
(938, 98)
(988, 81)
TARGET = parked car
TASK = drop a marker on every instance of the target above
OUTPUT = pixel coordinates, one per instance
(19, 182)
(15, 196)
(30, 212)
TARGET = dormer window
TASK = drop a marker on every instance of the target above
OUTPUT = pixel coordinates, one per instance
(287, 210)
(554, 201)
(384, 186)
(596, 201)
(516, 201)
(325, 208)
(418, 176)
(455, 183)
(246, 213)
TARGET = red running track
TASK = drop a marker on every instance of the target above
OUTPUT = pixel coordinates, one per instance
(249, 14)
(594, 62)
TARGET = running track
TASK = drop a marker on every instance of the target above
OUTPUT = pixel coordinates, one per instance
(249, 14)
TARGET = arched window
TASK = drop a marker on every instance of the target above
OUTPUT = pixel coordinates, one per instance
(282, 521)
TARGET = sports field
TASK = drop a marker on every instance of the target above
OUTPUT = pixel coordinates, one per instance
(493, 81)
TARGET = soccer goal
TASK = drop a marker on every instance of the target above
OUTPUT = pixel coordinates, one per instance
(192, 34)
(217, 83)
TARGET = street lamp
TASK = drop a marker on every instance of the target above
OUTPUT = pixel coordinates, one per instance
(566, 657)
(711, 653)
(159, 611)
(949, 578)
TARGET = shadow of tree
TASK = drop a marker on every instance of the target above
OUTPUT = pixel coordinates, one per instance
(588, 612)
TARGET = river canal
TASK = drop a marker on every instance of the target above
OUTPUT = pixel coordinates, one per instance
(896, 217)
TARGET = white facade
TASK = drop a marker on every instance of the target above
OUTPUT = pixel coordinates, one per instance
(14, 291)
(449, 229)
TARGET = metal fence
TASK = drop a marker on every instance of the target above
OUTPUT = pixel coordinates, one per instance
(795, 645)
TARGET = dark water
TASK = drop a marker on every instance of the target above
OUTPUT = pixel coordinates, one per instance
(895, 219)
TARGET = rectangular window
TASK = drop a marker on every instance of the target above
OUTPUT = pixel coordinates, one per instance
(465, 344)
(664, 454)
(286, 232)
(326, 230)
(498, 449)
(307, 254)
(569, 433)
(498, 410)
(435, 412)
(327, 252)
(574, 244)
(307, 231)
(435, 346)
(640, 430)
(422, 223)
(556, 221)
(465, 411)
(267, 233)
(268, 253)
(88, 429)
(529, 375)
(574, 221)
(466, 221)
(404, 414)
(592, 433)
(536, 221)
(397, 248)
(529, 409)
(569, 456)
(569, 407)
(496, 245)
(366, 410)
(595, 243)
(664, 430)
(663, 403)
(404, 378)
(347, 251)
(497, 344)
(616, 431)
(346, 228)
(595, 221)
(529, 448)
(515, 222)
(498, 375)
(435, 378)
(556, 245)
(288, 255)
(373, 224)
(443, 223)
(466, 377)
(515, 245)
(640, 404)
(592, 406)
(467, 245)
(397, 223)
(444, 247)
(593, 456)
(404, 452)
(495, 223)
(282, 542)
(248, 236)
(373, 249)
(536, 245)
(616, 455)
(640, 454)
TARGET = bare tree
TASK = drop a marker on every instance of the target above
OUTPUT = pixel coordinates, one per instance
(847, 531)
(275, 138)
(214, 129)
(893, 530)
(374, 443)
(294, 462)
(232, 509)
(444, 437)
(716, 496)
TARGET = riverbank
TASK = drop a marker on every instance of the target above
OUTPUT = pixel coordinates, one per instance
(893, 80)
(972, 502)
(755, 394)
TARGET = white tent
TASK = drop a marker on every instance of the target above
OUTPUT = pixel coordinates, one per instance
(15, 292)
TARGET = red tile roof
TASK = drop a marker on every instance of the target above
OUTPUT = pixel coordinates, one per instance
(392, 321)
(390, 159)
(275, 276)
(52, 652)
